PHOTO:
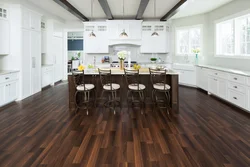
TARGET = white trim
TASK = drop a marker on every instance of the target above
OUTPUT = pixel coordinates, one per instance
(231, 56)
(234, 16)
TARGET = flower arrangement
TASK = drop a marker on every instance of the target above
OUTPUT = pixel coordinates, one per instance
(196, 51)
(122, 55)
(81, 67)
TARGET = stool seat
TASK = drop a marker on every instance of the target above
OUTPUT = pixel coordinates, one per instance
(113, 86)
(87, 87)
(135, 86)
(160, 86)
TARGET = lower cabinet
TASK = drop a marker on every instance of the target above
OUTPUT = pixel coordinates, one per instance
(217, 86)
(237, 98)
(8, 92)
(47, 76)
(202, 78)
(248, 99)
(187, 77)
(222, 88)
(212, 85)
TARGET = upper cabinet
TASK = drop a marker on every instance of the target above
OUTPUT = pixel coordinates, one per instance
(131, 27)
(4, 31)
(98, 44)
(155, 44)
(31, 20)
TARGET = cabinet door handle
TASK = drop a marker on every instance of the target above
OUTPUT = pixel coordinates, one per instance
(235, 78)
(216, 73)
(7, 78)
(215, 79)
(235, 98)
(235, 87)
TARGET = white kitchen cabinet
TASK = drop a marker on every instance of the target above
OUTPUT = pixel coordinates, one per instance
(237, 98)
(47, 76)
(8, 88)
(212, 85)
(187, 73)
(157, 44)
(4, 37)
(131, 27)
(248, 99)
(31, 20)
(35, 49)
(58, 58)
(2, 93)
(98, 44)
(202, 78)
(222, 88)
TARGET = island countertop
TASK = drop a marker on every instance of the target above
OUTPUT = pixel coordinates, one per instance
(118, 71)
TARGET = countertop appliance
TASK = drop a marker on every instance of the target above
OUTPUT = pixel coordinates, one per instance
(117, 64)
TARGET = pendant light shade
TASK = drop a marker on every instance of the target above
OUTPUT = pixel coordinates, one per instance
(155, 34)
(123, 34)
(92, 34)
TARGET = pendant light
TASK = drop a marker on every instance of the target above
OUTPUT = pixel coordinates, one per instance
(92, 34)
(123, 34)
(155, 34)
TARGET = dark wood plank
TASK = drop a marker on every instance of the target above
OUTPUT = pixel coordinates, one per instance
(105, 7)
(40, 131)
(141, 9)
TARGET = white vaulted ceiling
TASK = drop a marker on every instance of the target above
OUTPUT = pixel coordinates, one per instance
(130, 8)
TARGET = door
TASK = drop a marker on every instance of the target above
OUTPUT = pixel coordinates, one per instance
(2, 94)
(222, 88)
(4, 37)
(213, 85)
(26, 64)
(35, 61)
(58, 58)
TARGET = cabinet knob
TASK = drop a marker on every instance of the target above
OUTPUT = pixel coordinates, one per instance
(235, 98)
(7, 78)
(215, 79)
(235, 78)
(235, 87)
(216, 73)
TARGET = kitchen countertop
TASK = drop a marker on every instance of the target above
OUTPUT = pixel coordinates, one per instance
(3, 72)
(234, 71)
(117, 71)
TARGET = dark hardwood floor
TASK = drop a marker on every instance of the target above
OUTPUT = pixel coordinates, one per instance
(39, 131)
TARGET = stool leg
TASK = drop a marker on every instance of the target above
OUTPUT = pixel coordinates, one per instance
(76, 102)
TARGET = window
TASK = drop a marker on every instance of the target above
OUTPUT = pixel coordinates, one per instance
(233, 37)
(187, 39)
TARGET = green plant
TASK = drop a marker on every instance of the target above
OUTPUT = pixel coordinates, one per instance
(153, 59)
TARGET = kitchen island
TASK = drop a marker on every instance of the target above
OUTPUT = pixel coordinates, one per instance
(92, 76)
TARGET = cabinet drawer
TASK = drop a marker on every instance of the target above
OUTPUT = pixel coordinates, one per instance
(237, 98)
(237, 78)
(8, 77)
(237, 87)
(219, 74)
(46, 69)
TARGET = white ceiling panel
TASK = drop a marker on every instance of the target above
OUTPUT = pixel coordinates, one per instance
(194, 7)
(54, 8)
(84, 6)
(162, 7)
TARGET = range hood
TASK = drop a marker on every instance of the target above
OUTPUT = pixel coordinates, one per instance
(132, 29)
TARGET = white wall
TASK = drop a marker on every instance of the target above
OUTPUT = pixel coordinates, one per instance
(224, 11)
(208, 20)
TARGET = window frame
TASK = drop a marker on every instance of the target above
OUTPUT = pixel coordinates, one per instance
(234, 18)
(200, 26)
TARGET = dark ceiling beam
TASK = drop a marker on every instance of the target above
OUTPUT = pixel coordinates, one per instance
(66, 5)
(105, 7)
(174, 10)
(141, 9)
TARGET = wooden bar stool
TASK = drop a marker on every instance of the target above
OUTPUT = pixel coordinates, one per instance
(135, 87)
(83, 90)
(109, 87)
(158, 81)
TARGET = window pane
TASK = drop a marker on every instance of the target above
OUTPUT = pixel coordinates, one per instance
(195, 39)
(227, 37)
(183, 41)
